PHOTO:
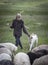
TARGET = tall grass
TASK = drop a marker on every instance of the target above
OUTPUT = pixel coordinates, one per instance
(35, 16)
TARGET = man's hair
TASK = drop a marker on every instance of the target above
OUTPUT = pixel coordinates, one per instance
(18, 14)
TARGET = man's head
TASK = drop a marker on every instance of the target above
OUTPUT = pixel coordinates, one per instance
(18, 16)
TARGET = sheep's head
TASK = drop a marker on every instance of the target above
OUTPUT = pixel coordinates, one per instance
(30, 38)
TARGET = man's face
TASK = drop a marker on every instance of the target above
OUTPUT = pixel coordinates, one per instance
(18, 17)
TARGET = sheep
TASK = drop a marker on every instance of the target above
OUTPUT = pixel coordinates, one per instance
(41, 61)
(40, 47)
(33, 56)
(33, 39)
(21, 58)
(5, 50)
(6, 62)
(10, 46)
(5, 56)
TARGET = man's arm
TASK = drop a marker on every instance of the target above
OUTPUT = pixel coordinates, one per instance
(12, 26)
(25, 30)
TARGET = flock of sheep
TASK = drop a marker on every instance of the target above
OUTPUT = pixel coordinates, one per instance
(36, 56)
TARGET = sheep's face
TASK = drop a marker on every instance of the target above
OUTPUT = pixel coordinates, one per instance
(31, 36)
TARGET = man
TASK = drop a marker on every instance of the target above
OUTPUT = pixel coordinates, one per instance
(18, 26)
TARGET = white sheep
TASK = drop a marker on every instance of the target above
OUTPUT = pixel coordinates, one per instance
(40, 47)
(10, 46)
(33, 40)
(5, 50)
(21, 59)
(41, 61)
(5, 56)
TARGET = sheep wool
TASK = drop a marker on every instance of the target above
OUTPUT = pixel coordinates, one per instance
(10, 46)
(40, 47)
(6, 62)
(41, 61)
(5, 50)
(21, 59)
(5, 56)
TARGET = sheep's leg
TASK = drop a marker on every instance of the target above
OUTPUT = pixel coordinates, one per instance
(36, 42)
(31, 46)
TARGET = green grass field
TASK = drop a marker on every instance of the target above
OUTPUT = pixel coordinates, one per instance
(35, 16)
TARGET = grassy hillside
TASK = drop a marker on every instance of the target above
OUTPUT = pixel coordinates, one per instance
(34, 14)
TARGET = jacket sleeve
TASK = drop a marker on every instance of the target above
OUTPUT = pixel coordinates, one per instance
(25, 30)
(12, 26)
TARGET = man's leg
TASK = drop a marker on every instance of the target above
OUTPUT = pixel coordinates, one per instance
(20, 43)
(17, 42)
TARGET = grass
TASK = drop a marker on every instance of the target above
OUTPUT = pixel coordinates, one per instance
(34, 14)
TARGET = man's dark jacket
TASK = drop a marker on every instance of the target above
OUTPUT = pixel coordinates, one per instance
(18, 26)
